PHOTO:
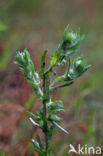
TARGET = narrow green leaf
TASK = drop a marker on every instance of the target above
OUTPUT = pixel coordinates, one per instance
(62, 85)
(56, 104)
(33, 122)
(59, 127)
(54, 58)
(59, 79)
(32, 115)
(36, 143)
(40, 143)
(54, 117)
(57, 110)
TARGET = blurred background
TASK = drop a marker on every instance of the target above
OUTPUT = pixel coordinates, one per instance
(38, 25)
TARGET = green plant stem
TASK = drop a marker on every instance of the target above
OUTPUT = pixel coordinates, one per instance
(61, 86)
(45, 112)
(49, 69)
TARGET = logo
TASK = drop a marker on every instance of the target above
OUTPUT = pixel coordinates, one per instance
(85, 150)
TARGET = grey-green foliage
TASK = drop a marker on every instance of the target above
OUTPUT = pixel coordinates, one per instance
(47, 117)
(26, 65)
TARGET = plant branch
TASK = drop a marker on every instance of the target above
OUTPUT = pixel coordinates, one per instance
(49, 69)
(61, 86)
(45, 110)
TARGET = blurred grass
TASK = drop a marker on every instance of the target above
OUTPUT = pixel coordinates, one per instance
(2, 154)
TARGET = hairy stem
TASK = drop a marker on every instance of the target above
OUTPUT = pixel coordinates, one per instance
(45, 111)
